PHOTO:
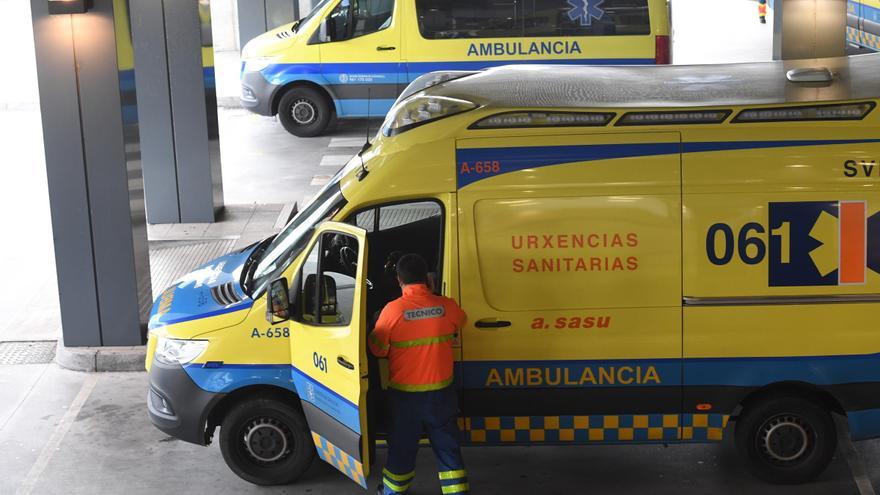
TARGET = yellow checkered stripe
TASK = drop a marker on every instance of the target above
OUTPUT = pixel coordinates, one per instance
(583, 429)
(345, 463)
(863, 38)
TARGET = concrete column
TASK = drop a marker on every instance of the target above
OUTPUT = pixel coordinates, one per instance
(176, 89)
(809, 29)
(255, 17)
(85, 68)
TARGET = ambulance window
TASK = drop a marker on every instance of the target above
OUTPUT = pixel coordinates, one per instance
(333, 262)
(559, 18)
(451, 19)
(355, 18)
(371, 16)
(402, 214)
(365, 220)
(455, 19)
(396, 215)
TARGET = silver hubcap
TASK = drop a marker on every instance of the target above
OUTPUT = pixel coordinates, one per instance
(785, 438)
(266, 440)
(303, 112)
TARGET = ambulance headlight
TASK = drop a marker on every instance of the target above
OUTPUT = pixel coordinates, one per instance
(257, 64)
(178, 351)
(420, 110)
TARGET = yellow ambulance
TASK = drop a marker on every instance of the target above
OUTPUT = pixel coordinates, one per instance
(863, 25)
(352, 58)
(645, 254)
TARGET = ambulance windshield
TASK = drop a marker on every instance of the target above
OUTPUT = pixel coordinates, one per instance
(293, 239)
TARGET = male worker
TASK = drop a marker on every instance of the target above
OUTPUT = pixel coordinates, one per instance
(416, 332)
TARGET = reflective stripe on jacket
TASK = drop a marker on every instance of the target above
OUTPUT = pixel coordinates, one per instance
(416, 332)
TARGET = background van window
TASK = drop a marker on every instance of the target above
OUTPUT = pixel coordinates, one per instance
(455, 19)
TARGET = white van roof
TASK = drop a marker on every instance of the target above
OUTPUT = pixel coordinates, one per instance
(574, 86)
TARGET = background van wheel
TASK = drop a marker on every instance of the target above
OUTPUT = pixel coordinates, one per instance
(786, 440)
(266, 441)
(305, 112)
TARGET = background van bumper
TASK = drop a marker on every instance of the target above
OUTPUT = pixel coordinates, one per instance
(257, 93)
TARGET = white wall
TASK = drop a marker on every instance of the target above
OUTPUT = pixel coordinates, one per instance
(720, 31)
(224, 24)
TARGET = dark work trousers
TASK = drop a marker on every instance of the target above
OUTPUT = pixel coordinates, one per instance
(432, 412)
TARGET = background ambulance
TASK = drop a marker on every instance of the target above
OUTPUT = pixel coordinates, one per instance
(863, 24)
(351, 58)
(637, 264)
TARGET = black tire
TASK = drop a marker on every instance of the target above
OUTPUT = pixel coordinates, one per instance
(273, 460)
(786, 440)
(305, 112)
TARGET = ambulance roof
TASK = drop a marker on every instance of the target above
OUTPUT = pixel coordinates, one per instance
(574, 86)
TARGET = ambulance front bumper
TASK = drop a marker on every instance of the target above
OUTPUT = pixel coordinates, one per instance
(257, 93)
(177, 406)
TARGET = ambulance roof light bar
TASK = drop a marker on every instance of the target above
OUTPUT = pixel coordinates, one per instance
(812, 113)
(514, 120)
(674, 117)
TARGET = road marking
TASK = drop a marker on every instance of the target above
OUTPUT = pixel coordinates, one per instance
(856, 465)
(347, 142)
(58, 435)
(320, 180)
(334, 160)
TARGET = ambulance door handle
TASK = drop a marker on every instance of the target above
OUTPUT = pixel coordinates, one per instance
(385, 48)
(491, 323)
(344, 363)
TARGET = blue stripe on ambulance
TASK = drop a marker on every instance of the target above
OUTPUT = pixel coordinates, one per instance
(394, 74)
(329, 73)
(739, 372)
(229, 377)
(870, 13)
(759, 371)
(512, 159)
(327, 400)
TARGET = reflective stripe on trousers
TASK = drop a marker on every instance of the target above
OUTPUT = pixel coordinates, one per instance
(454, 481)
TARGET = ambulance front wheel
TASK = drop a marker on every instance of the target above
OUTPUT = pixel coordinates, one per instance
(786, 440)
(305, 112)
(266, 441)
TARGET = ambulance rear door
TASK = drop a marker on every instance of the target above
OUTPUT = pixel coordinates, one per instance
(327, 345)
(570, 250)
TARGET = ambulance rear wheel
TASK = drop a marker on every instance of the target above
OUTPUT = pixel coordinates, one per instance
(305, 112)
(786, 440)
(266, 441)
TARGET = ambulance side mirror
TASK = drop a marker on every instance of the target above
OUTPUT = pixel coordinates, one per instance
(278, 301)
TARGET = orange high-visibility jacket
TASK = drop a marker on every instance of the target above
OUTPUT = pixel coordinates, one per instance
(416, 332)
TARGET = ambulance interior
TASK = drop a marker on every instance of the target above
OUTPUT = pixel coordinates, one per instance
(392, 231)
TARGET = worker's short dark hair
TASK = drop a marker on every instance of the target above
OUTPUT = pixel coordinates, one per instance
(412, 269)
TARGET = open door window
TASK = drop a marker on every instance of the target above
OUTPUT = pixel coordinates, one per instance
(328, 352)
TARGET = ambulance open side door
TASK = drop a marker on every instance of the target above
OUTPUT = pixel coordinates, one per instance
(328, 346)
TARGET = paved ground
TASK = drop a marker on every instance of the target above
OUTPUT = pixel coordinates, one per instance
(71, 433)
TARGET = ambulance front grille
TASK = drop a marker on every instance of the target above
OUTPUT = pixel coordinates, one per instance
(225, 294)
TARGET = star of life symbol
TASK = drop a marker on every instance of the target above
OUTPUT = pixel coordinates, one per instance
(584, 11)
